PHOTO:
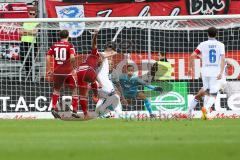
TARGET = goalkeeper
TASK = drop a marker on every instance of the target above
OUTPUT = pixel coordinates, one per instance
(128, 86)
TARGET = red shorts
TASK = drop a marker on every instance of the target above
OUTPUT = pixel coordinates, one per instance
(85, 76)
(60, 79)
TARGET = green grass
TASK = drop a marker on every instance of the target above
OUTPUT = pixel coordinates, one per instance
(119, 139)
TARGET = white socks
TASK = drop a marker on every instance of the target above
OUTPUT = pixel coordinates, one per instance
(192, 105)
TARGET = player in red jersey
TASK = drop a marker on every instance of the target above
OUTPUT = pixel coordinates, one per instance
(87, 74)
(62, 52)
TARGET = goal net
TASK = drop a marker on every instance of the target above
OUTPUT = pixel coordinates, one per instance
(157, 47)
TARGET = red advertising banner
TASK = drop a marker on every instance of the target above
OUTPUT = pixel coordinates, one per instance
(10, 31)
(164, 8)
(13, 7)
(180, 63)
(13, 10)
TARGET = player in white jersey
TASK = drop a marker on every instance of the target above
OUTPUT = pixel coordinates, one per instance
(212, 53)
(203, 95)
(107, 94)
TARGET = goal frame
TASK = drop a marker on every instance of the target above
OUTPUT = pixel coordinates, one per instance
(114, 19)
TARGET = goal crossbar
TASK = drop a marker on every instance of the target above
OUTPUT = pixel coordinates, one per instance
(107, 19)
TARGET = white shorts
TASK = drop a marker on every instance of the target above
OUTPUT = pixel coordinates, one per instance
(211, 84)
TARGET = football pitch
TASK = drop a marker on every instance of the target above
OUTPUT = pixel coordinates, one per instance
(113, 139)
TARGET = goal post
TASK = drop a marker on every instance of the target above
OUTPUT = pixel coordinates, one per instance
(157, 46)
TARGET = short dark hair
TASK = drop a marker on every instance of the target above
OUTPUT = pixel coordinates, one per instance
(212, 32)
(130, 66)
(110, 45)
(63, 34)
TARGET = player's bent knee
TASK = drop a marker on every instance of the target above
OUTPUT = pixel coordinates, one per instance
(141, 95)
(56, 91)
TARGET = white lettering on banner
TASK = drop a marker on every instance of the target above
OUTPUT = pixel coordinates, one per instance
(177, 100)
(206, 7)
(8, 28)
(66, 101)
(139, 24)
(234, 102)
(181, 69)
(3, 6)
(4, 102)
(145, 11)
(21, 104)
(236, 70)
(218, 102)
(19, 8)
(44, 108)
(181, 64)
(105, 13)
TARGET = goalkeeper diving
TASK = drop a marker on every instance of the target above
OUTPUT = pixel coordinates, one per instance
(128, 84)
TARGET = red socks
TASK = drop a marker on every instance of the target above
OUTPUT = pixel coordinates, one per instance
(54, 100)
(75, 103)
(84, 103)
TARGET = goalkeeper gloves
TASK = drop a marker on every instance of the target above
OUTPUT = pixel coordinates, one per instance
(159, 89)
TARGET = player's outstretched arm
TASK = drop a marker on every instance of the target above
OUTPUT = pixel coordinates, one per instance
(222, 67)
(48, 64)
(141, 82)
(94, 40)
(73, 61)
(151, 87)
(191, 63)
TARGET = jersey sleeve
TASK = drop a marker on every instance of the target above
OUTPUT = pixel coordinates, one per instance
(198, 50)
(71, 50)
(222, 49)
(51, 51)
(95, 52)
